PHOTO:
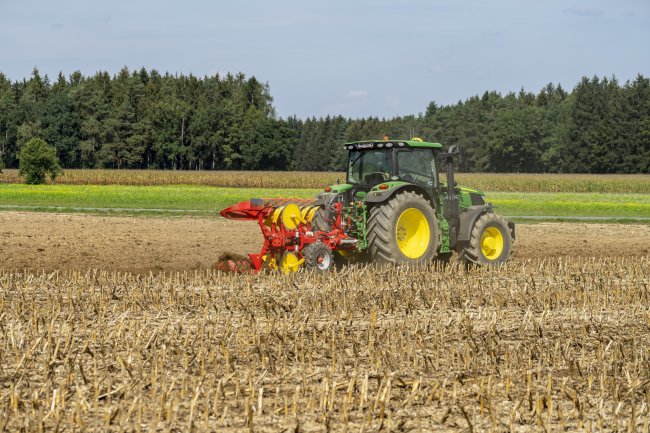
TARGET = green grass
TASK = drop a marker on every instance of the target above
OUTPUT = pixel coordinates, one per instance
(187, 199)
(562, 205)
(200, 200)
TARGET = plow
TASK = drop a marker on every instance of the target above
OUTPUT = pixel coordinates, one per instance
(290, 236)
(394, 208)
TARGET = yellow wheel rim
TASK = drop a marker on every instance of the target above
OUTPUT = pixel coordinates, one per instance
(290, 262)
(492, 243)
(412, 233)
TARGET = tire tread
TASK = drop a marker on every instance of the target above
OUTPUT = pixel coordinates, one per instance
(489, 219)
(381, 220)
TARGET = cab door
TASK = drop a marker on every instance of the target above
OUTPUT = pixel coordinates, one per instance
(418, 166)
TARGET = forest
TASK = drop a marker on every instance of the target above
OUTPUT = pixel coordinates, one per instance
(144, 119)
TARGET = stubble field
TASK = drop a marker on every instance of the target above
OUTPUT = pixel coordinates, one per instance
(119, 333)
(542, 345)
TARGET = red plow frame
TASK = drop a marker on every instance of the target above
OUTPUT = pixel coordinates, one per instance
(287, 229)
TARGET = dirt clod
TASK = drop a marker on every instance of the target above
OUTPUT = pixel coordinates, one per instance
(233, 263)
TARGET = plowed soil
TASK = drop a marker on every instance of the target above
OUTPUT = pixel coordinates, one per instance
(41, 241)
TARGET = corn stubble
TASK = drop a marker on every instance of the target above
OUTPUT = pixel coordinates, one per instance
(546, 345)
(512, 182)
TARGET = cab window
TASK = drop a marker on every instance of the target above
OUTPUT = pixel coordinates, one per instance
(369, 167)
(417, 166)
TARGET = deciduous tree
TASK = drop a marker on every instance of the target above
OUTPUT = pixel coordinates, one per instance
(37, 160)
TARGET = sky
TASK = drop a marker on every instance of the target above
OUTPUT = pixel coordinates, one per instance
(356, 58)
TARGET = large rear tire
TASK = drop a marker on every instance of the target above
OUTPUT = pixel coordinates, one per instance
(490, 242)
(403, 230)
(321, 221)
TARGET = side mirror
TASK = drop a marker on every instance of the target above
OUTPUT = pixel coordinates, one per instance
(451, 153)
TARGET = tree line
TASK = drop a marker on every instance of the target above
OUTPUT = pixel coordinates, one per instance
(144, 119)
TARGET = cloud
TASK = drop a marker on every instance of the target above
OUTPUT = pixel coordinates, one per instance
(584, 11)
(56, 26)
(357, 94)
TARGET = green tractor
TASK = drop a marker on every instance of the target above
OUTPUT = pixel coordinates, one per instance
(393, 209)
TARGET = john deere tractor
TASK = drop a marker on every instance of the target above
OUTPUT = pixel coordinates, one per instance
(394, 208)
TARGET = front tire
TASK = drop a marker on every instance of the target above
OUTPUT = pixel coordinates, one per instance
(403, 230)
(491, 241)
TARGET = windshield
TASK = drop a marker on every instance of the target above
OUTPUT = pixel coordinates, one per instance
(370, 167)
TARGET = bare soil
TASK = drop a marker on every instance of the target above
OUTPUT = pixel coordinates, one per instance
(43, 241)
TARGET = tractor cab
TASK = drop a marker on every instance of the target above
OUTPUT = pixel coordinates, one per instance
(371, 163)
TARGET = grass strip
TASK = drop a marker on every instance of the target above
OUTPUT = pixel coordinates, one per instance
(204, 200)
(564, 204)
(176, 197)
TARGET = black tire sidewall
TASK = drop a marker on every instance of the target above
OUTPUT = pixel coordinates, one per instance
(319, 220)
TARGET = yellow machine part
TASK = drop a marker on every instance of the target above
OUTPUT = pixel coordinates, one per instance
(303, 212)
(308, 212)
(312, 212)
(345, 253)
(290, 262)
(291, 216)
(275, 216)
(270, 261)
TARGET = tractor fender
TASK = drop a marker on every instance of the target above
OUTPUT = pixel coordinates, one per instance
(326, 198)
(467, 219)
(382, 196)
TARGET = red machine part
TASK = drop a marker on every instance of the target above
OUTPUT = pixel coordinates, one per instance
(278, 239)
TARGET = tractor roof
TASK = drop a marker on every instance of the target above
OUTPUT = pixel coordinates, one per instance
(375, 144)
